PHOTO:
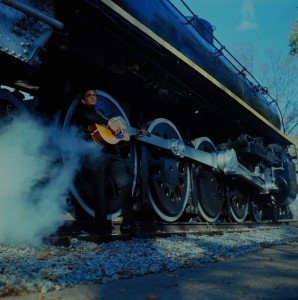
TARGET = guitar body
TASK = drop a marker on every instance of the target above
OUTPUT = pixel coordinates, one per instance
(102, 134)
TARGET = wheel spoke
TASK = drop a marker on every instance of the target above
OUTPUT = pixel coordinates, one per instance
(167, 177)
(256, 207)
(208, 187)
(237, 201)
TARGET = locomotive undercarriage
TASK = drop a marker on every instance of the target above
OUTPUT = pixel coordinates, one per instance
(177, 172)
(201, 158)
(178, 179)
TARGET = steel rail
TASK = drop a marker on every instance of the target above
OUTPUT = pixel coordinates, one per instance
(85, 230)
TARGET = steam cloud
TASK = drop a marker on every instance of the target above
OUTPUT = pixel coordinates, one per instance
(34, 183)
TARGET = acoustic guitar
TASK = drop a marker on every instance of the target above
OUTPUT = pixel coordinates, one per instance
(103, 134)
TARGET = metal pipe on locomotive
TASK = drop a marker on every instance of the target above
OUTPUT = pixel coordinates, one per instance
(215, 147)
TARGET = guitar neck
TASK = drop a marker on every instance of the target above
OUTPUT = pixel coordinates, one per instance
(131, 131)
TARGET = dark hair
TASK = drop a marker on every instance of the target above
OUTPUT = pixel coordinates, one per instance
(85, 89)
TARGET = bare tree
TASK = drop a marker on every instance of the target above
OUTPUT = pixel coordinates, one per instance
(246, 54)
(279, 74)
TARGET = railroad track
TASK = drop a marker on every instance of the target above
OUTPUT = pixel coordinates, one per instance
(84, 230)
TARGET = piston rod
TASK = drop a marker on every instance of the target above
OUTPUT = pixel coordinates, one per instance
(224, 161)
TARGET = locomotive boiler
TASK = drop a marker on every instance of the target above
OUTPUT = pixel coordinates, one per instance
(214, 148)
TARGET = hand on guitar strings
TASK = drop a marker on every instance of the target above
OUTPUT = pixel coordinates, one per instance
(116, 126)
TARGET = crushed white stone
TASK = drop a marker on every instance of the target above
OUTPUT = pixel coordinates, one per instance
(48, 267)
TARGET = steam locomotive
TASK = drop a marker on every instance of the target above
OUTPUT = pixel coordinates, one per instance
(214, 147)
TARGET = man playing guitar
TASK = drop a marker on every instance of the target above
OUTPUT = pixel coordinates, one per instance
(109, 164)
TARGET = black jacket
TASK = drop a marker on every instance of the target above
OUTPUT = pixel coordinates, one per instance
(87, 115)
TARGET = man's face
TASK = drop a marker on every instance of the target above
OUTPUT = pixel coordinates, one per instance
(90, 98)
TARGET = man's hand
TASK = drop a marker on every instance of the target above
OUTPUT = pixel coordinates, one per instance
(115, 125)
(142, 132)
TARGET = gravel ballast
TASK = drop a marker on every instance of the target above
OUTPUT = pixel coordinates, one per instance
(26, 269)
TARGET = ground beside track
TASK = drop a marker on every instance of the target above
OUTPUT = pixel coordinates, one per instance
(269, 273)
(48, 269)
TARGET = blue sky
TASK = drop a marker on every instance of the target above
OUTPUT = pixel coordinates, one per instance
(264, 24)
(255, 26)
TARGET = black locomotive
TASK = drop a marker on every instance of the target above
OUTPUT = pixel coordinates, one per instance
(215, 147)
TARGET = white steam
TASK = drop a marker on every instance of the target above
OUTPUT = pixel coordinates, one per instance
(34, 184)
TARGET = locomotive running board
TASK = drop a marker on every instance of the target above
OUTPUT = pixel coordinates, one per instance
(224, 161)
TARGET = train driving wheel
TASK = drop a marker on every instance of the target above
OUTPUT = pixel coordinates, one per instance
(237, 201)
(256, 211)
(81, 188)
(256, 206)
(167, 177)
(10, 106)
(207, 186)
